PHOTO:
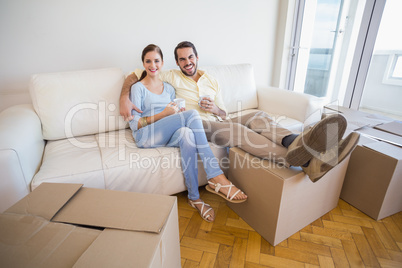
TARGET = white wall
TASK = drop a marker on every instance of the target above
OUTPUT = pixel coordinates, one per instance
(62, 35)
(377, 95)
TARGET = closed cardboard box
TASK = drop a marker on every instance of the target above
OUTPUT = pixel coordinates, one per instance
(281, 201)
(373, 181)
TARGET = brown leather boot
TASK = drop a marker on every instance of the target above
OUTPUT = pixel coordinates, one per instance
(321, 137)
(319, 166)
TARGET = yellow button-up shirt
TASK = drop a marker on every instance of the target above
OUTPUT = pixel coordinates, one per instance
(191, 91)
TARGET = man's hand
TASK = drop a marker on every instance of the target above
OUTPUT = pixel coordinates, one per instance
(126, 106)
(208, 105)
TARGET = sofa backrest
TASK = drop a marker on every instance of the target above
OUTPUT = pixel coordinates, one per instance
(77, 103)
(237, 84)
(72, 104)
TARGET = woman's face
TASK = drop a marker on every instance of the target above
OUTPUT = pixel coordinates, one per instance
(152, 63)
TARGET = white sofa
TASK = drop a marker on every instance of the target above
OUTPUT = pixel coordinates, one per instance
(73, 133)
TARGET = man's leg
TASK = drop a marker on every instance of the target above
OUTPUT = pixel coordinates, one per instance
(323, 136)
(233, 134)
(265, 125)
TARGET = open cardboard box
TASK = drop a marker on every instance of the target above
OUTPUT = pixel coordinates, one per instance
(67, 225)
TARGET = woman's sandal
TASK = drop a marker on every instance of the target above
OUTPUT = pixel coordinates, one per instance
(205, 216)
(218, 186)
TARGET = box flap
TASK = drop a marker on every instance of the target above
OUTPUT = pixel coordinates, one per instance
(117, 210)
(120, 249)
(381, 135)
(385, 148)
(46, 200)
(357, 119)
(30, 241)
(394, 127)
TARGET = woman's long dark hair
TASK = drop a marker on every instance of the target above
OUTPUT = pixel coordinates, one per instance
(147, 49)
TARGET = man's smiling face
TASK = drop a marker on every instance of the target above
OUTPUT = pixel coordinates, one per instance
(187, 61)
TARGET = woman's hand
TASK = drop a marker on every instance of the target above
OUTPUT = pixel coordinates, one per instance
(170, 109)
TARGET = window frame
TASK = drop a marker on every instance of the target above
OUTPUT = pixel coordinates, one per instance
(389, 77)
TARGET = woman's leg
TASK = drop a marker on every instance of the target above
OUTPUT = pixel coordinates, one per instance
(184, 138)
(209, 161)
(216, 179)
(171, 131)
(160, 134)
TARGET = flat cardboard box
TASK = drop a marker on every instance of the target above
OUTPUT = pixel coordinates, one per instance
(379, 135)
(67, 225)
(357, 119)
(281, 201)
(394, 127)
(373, 181)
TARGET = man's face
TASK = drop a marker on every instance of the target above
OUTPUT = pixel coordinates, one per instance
(187, 61)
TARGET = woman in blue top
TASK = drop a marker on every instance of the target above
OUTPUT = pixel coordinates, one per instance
(163, 124)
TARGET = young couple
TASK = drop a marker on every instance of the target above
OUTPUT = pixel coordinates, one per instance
(157, 121)
(162, 123)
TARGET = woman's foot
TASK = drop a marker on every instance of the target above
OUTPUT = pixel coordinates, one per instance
(221, 186)
(205, 210)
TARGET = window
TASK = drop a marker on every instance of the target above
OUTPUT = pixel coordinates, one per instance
(397, 70)
(393, 72)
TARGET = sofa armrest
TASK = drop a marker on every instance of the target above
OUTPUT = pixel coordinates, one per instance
(21, 150)
(302, 107)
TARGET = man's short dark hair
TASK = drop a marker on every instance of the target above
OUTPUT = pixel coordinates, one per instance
(184, 44)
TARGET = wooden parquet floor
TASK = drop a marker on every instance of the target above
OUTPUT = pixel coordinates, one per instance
(344, 237)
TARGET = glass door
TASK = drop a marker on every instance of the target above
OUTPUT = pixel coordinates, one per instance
(319, 34)
(324, 41)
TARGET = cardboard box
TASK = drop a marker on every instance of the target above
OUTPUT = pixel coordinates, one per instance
(357, 119)
(67, 225)
(281, 201)
(373, 181)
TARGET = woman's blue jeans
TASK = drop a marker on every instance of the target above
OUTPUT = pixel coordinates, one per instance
(184, 130)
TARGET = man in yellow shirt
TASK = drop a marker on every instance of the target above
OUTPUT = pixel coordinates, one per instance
(256, 132)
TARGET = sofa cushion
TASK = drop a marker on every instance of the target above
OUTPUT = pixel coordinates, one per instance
(237, 85)
(77, 103)
(113, 161)
(71, 161)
